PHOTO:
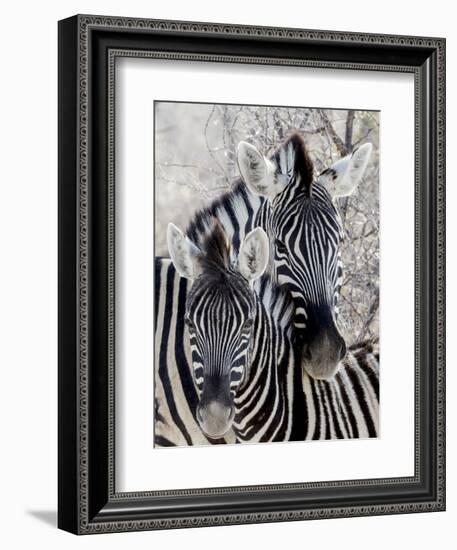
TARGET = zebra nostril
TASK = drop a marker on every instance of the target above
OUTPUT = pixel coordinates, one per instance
(307, 353)
(199, 414)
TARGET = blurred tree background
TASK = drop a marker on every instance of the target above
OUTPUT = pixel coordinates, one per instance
(195, 161)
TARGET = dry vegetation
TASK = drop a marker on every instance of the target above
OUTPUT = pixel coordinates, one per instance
(195, 162)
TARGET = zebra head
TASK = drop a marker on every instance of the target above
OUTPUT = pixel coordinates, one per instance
(220, 313)
(302, 221)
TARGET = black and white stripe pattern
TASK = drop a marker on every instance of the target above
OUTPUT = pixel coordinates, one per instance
(308, 232)
(175, 394)
(273, 400)
(302, 221)
(346, 406)
(236, 211)
(305, 231)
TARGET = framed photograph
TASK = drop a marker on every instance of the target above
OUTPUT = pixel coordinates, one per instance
(251, 274)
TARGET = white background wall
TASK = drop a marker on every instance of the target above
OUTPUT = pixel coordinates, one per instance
(28, 289)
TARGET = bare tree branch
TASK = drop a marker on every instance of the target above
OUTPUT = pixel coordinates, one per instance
(349, 130)
(332, 133)
(372, 312)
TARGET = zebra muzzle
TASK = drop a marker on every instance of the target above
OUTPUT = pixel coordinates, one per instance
(322, 356)
(215, 418)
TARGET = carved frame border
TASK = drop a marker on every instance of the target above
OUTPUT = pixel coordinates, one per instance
(74, 510)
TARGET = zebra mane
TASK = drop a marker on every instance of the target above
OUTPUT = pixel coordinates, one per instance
(292, 156)
(215, 256)
(217, 267)
(234, 210)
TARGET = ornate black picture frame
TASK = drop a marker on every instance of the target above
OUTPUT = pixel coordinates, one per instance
(88, 47)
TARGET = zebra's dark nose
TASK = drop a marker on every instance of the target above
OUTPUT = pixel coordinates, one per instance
(322, 355)
(340, 350)
(307, 355)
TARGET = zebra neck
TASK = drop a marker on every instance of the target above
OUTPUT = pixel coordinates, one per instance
(262, 346)
(271, 342)
(265, 400)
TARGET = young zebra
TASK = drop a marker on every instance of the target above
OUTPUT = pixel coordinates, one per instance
(243, 356)
(175, 394)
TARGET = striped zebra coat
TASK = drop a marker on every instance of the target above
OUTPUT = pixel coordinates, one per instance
(289, 172)
(175, 394)
(302, 222)
(176, 397)
(276, 402)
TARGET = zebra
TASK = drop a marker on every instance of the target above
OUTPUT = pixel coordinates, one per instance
(175, 394)
(301, 217)
(243, 354)
(270, 188)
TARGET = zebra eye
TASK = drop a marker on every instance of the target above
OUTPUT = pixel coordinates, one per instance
(280, 246)
(248, 324)
(189, 323)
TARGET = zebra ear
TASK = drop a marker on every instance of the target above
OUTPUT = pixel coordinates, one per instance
(257, 172)
(343, 176)
(184, 254)
(254, 253)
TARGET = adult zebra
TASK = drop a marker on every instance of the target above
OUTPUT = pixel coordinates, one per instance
(244, 358)
(301, 218)
(296, 210)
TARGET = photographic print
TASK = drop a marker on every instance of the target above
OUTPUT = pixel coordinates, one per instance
(228, 268)
(266, 274)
